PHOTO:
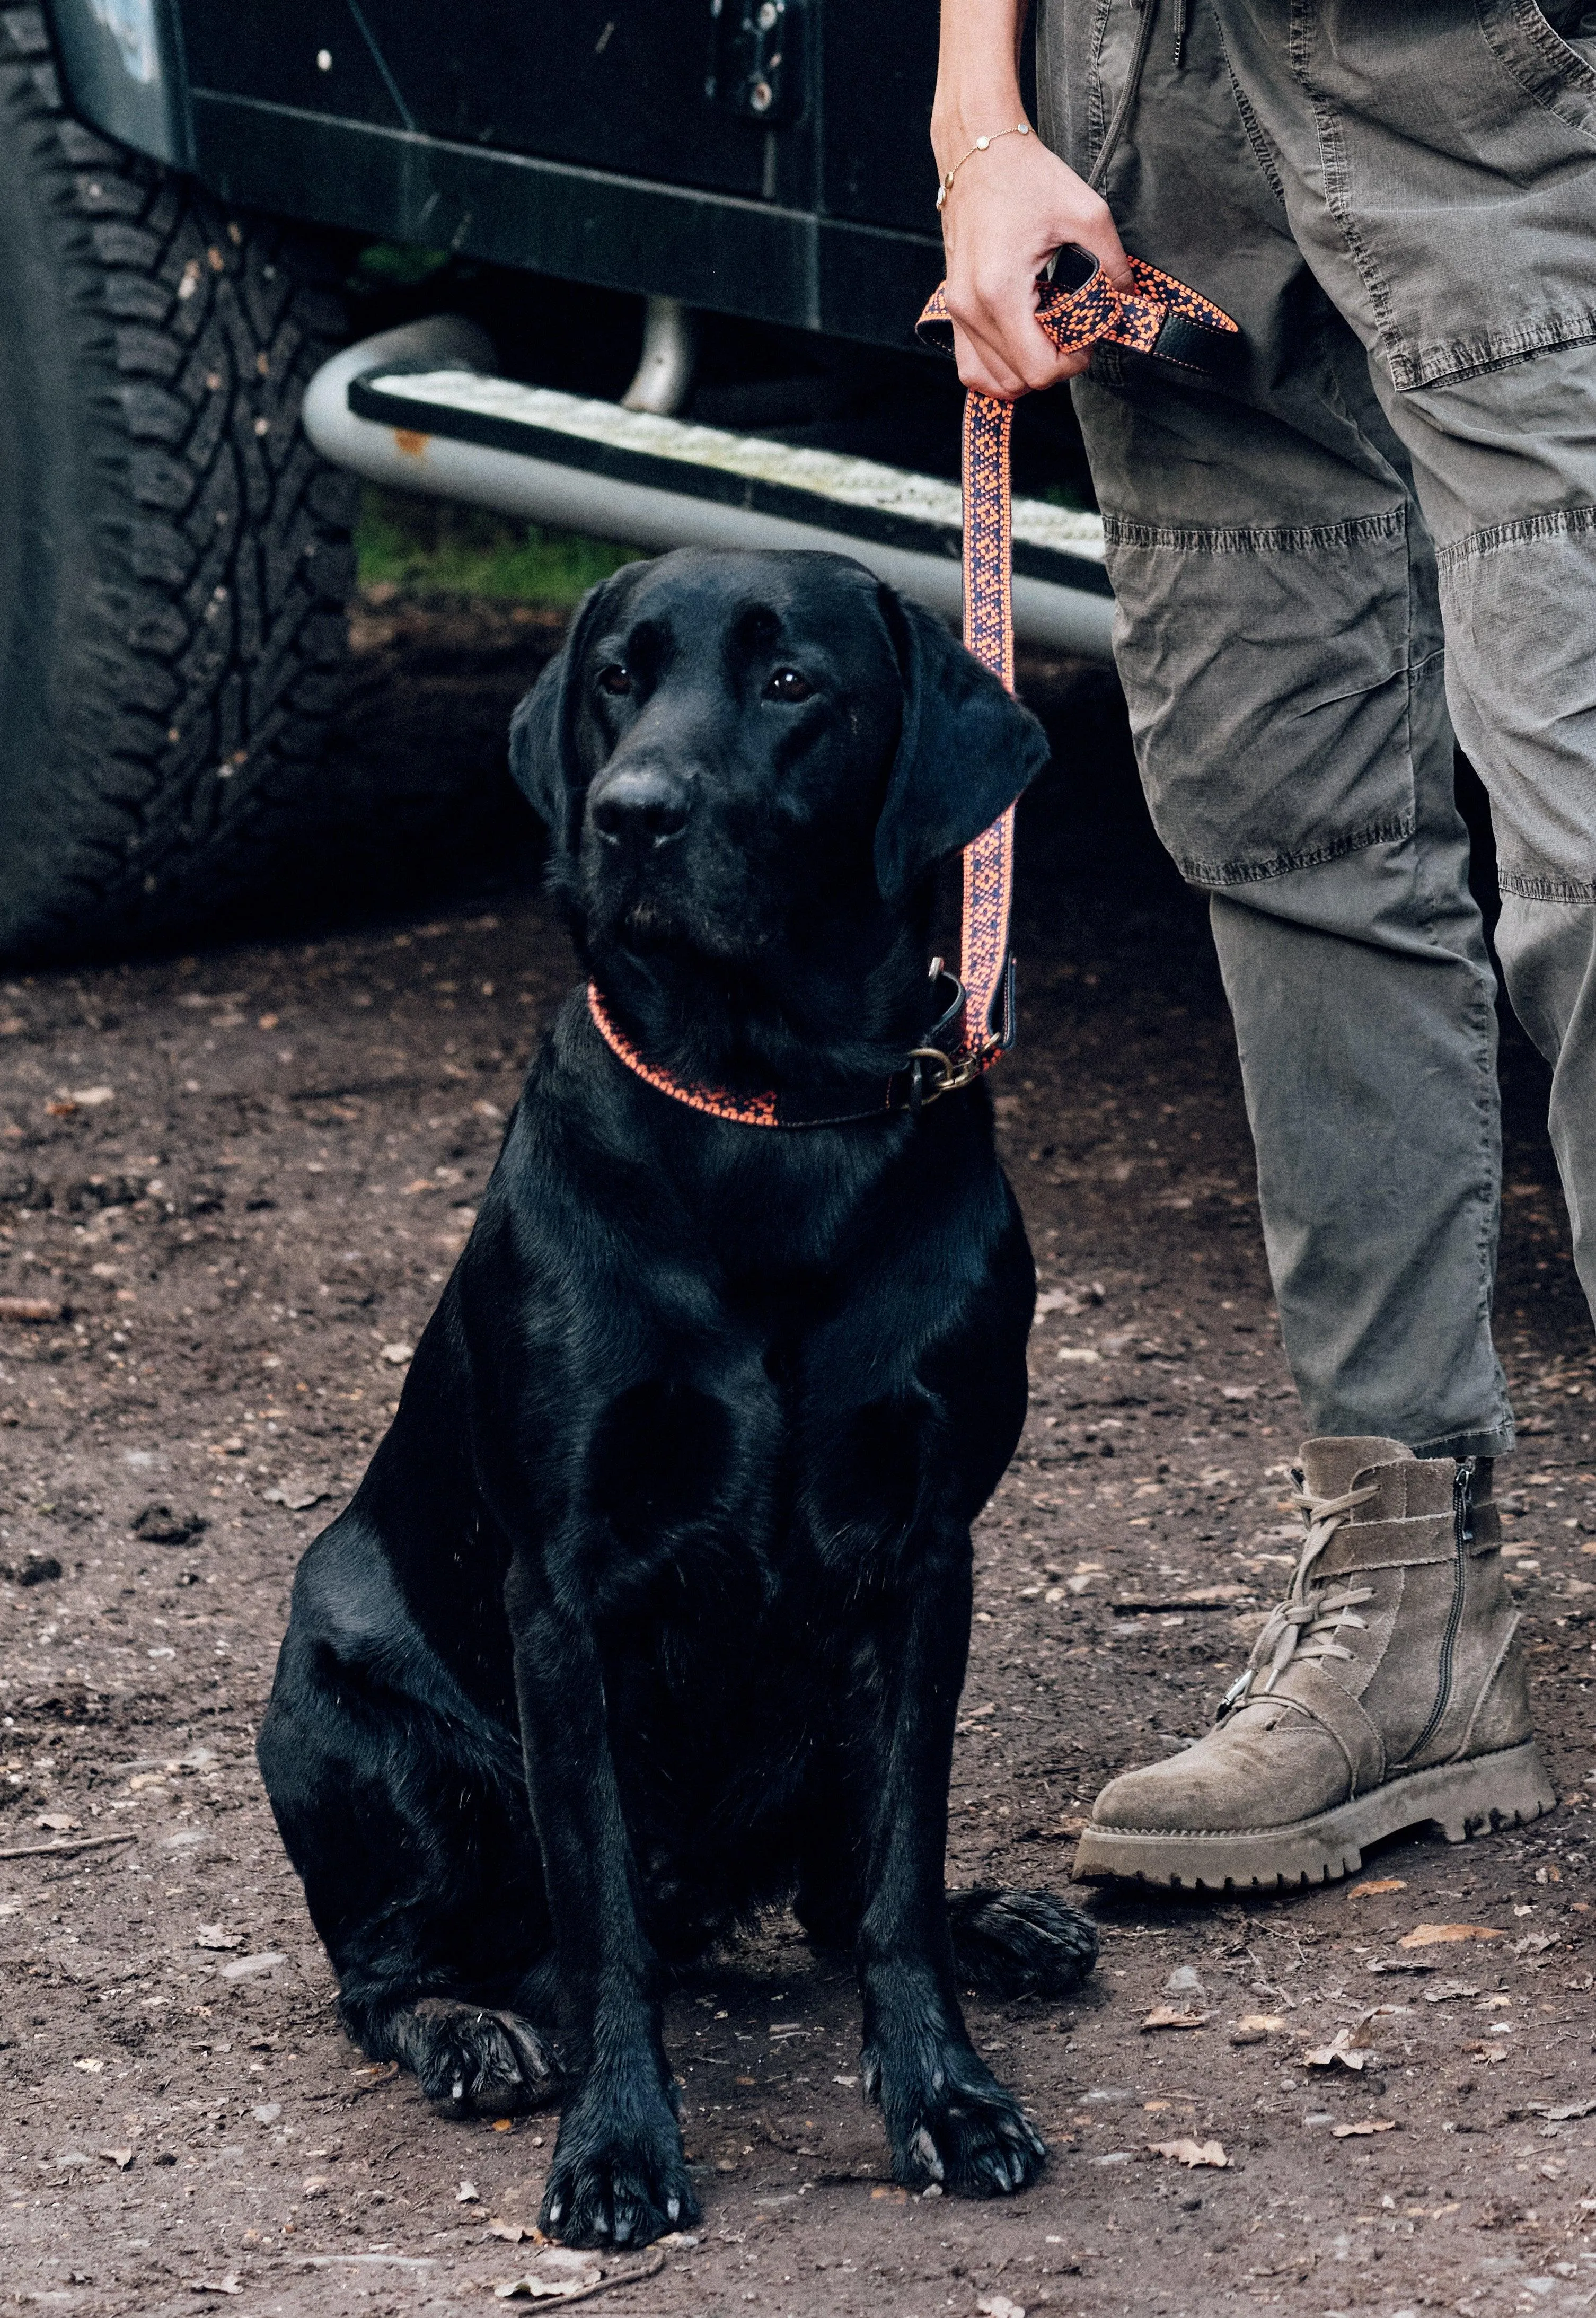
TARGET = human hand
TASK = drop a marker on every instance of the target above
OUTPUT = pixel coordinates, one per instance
(1005, 213)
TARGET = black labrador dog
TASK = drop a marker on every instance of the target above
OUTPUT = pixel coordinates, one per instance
(653, 1606)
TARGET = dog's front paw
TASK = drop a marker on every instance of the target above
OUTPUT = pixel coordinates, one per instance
(619, 2177)
(471, 2061)
(951, 2123)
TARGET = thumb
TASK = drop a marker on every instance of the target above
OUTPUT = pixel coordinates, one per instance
(1109, 252)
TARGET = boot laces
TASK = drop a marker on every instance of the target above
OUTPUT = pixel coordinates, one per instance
(1308, 1623)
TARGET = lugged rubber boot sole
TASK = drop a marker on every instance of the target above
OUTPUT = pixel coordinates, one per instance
(1462, 1798)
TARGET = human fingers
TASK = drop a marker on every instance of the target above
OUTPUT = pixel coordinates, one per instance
(1011, 217)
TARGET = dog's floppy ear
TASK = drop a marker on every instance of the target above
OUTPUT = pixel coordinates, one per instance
(966, 751)
(543, 761)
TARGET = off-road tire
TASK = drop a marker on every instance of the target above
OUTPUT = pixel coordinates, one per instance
(175, 559)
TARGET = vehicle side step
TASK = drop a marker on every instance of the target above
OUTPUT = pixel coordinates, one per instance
(419, 409)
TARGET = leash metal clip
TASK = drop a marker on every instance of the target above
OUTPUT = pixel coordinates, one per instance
(951, 1075)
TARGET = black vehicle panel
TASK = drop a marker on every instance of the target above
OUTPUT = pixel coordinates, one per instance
(274, 50)
(604, 141)
(617, 84)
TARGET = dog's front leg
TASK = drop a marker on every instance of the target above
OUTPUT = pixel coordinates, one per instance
(948, 2118)
(618, 2176)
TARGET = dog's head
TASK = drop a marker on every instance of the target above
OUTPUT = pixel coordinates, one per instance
(733, 748)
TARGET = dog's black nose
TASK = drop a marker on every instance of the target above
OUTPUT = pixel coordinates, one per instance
(639, 805)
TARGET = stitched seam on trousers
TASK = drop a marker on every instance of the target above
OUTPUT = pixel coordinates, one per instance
(1464, 358)
(1282, 865)
(1562, 522)
(1263, 151)
(1556, 81)
(1099, 107)
(1466, 1441)
(1119, 530)
(1332, 160)
(1547, 889)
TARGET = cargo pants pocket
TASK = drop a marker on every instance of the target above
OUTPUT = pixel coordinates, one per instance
(1267, 671)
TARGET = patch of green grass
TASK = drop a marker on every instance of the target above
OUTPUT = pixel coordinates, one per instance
(434, 547)
(1071, 496)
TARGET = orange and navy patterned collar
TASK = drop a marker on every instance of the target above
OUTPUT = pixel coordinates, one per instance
(927, 1072)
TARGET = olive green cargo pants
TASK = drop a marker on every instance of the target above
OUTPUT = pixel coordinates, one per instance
(1382, 532)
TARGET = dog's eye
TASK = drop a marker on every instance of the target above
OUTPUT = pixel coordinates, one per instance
(787, 683)
(615, 679)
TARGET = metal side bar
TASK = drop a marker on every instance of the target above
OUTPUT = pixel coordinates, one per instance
(419, 409)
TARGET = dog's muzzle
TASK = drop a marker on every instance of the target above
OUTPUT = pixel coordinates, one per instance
(638, 809)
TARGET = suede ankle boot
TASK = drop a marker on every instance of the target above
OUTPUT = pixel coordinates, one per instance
(1384, 1693)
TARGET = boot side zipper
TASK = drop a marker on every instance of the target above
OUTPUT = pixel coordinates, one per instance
(1463, 1534)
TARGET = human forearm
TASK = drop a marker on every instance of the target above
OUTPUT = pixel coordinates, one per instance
(1009, 208)
(977, 74)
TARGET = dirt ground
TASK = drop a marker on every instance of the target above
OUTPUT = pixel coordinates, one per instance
(240, 1178)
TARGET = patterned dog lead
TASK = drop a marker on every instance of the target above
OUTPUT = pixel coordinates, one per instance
(1078, 307)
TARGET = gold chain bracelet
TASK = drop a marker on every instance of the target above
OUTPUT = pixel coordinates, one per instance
(1020, 129)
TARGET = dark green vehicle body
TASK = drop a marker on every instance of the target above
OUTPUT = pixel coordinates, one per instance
(767, 159)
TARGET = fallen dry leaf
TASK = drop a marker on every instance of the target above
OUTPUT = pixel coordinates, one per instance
(1362, 2124)
(121, 2158)
(564, 2276)
(1191, 2152)
(467, 2194)
(1380, 1883)
(1166, 2015)
(30, 1307)
(89, 2068)
(1343, 2048)
(1445, 1991)
(217, 1935)
(998, 2305)
(58, 1822)
(398, 1354)
(1267, 2021)
(228, 2285)
(512, 2232)
(1433, 1935)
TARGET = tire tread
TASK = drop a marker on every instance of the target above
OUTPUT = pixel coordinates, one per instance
(208, 655)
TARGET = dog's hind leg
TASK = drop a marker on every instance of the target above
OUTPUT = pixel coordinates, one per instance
(468, 2058)
(409, 1828)
(1019, 1943)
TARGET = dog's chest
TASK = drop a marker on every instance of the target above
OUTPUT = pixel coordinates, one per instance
(744, 1474)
